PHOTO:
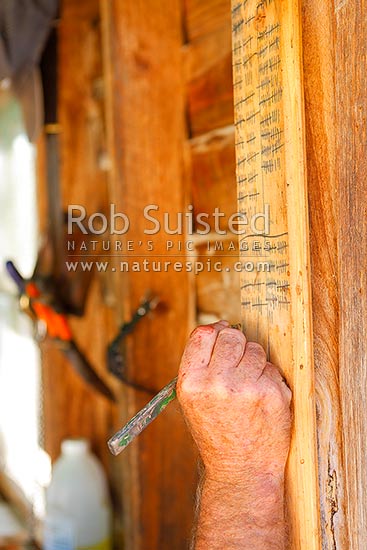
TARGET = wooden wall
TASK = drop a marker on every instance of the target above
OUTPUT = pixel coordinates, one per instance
(147, 117)
(143, 121)
(71, 409)
(320, 110)
(169, 113)
(145, 110)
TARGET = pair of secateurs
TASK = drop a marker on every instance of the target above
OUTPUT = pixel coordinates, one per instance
(55, 324)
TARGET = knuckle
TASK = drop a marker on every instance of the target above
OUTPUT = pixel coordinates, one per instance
(255, 350)
(278, 380)
(230, 344)
(184, 387)
(252, 392)
(220, 389)
(187, 388)
(217, 388)
(273, 372)
(228, 352)
(288, 393)
(233, 333)
(275, 397)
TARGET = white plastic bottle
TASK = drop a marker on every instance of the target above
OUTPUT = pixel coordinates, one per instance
(78, 513)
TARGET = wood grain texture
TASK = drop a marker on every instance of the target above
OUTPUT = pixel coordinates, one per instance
(206, 17)
(147, 137)
(209, 80)
(270, 153)
(351, 149)
(213, 177)
(82, 122)
(320, 108)
(218, 292)
(71, 409)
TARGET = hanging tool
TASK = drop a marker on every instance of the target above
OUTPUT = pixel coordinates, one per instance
(116, 359)
(55, 325)
(69, 288)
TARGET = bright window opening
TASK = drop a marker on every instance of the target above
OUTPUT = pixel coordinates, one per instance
(22, 460)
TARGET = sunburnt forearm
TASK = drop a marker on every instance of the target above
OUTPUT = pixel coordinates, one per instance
(241, 516)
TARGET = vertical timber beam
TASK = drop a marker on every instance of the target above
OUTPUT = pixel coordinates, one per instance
(320, 108)
(351, 148)
(146, 119)
(270, 156)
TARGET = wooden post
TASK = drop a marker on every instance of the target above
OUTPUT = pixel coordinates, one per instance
(146, 114)
(322, 159)
(335, 42)
(270, 153)
(351, 148)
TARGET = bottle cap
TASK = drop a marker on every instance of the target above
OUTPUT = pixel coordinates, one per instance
(75, 446)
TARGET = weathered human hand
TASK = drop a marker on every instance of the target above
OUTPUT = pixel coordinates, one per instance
(237, 405)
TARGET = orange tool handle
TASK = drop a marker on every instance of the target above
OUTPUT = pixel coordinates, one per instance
(56, 323)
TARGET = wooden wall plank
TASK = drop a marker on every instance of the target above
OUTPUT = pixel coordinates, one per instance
(213, 177)
(208, 71)
(206, 17)
(71, 409)
(320, 108)
(147, 118)
(218, 292)
(81, 76)
(351, 149)
(209, 81)
(270, 155)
